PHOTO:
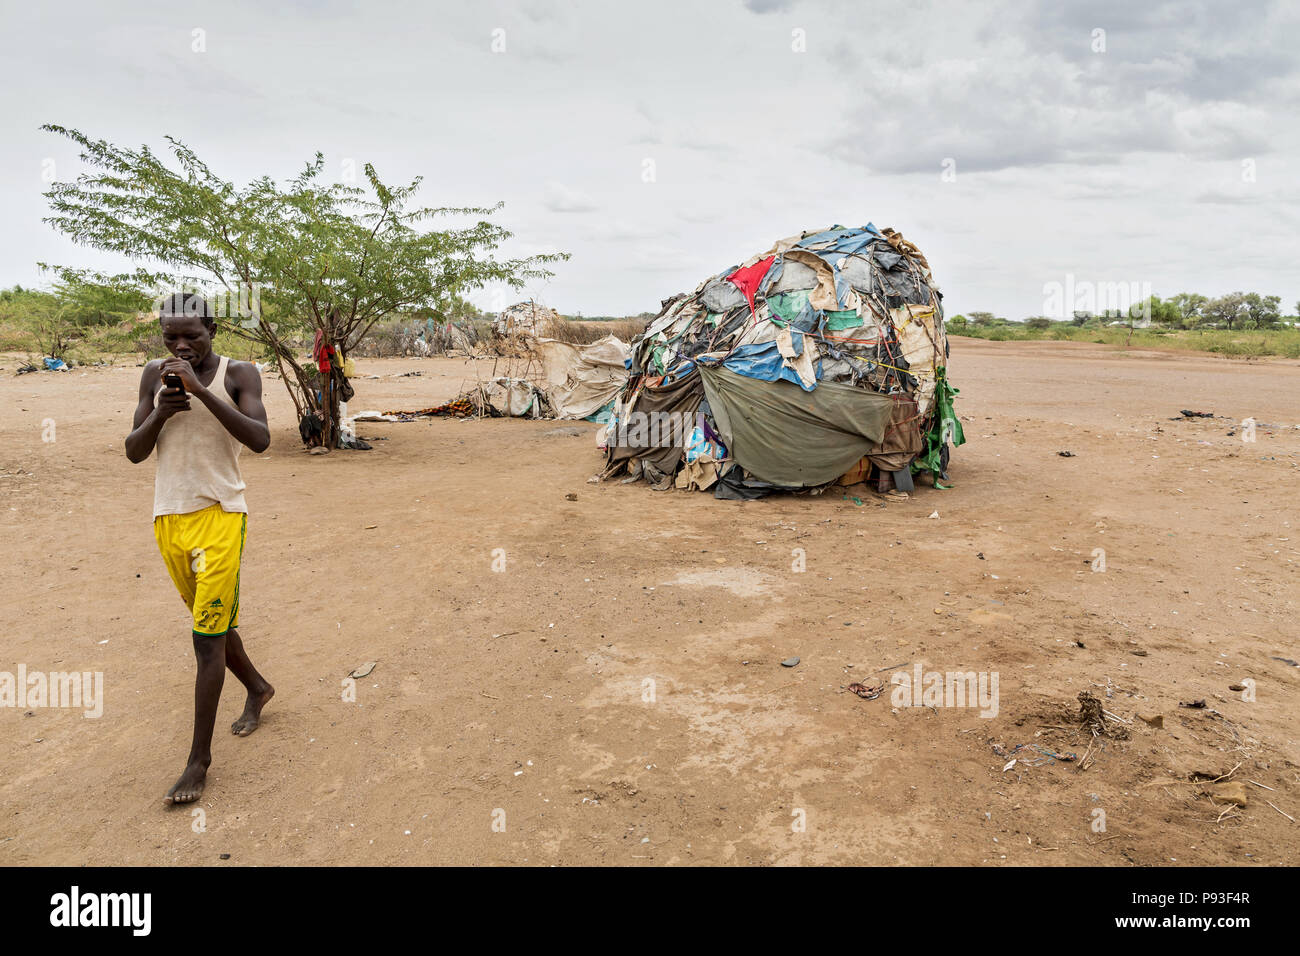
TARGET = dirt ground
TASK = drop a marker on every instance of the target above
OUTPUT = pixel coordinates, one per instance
(616, 694)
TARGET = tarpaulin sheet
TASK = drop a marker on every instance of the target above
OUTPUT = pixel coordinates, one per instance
(582, 379)
(841, 239)
(789, 307)
(765, 362)
(784, 435)
(902, 441)
(681, 398)
(511, 397)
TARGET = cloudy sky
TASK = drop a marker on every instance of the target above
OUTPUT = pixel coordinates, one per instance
(1016, 143)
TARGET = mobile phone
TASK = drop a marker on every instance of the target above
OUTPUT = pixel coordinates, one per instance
(172, 380)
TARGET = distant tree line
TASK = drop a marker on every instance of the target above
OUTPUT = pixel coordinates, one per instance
(50, 321)
(1186, 310)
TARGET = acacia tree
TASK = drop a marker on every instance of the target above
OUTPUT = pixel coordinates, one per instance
(328, 259)
(1226, 309)
(1264, 311)
(1191, 308)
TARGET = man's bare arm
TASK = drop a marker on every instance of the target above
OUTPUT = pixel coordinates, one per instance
(148, 421)
(249, 397)
(246, 422)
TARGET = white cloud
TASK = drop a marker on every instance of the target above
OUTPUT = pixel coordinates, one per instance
(561, 198)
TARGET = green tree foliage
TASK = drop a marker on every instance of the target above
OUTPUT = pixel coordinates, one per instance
(89, 301)
(1263, 311)
(53, 321)
(327, 259)
(455, 309)
(40, 320)
(1191, 308)
(1226, 309)
(1164, 313)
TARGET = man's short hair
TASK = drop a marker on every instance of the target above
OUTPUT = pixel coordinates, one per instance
(185, 304)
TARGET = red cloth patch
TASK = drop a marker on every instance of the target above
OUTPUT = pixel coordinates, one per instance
(747, 280)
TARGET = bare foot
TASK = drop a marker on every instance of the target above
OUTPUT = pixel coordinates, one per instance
(249, 719)
(189, 786)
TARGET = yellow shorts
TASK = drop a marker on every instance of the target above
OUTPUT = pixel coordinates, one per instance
(202, 551)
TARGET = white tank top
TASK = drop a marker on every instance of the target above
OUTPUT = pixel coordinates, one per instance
(198, 460)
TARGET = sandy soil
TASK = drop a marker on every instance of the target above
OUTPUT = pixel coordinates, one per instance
(506, 720)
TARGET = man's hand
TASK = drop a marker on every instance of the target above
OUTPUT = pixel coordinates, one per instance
(183, 370)
(171, 401)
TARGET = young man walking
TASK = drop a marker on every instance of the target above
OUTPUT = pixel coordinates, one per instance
(198, 408)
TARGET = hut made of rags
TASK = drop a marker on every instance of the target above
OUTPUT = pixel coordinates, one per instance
(820, 360)
(526, 319)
